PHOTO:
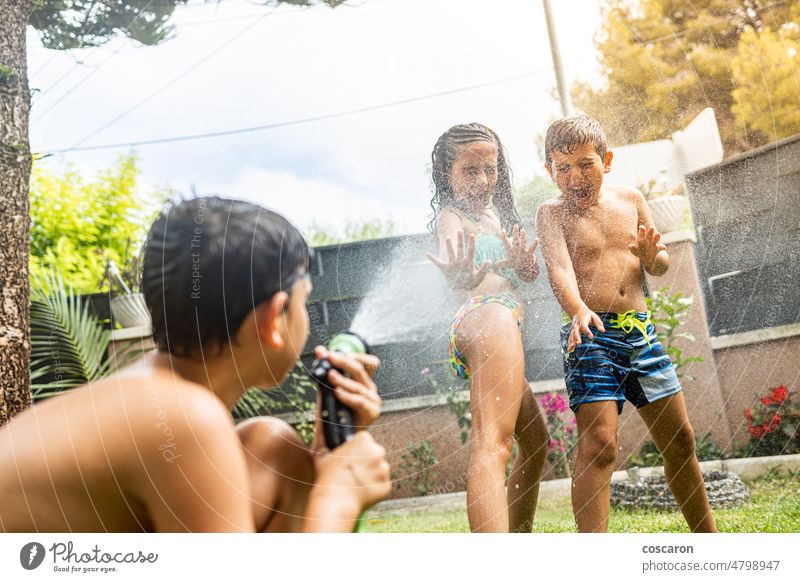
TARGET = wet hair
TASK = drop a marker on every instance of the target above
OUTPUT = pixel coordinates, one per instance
(207, 263)
(568, 133)
(449, 145)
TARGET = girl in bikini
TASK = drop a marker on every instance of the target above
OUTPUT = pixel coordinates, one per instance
(484, 256)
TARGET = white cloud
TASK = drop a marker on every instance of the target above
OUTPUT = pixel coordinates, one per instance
(307, 200)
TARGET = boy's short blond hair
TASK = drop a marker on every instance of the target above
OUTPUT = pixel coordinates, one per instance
(568, 133)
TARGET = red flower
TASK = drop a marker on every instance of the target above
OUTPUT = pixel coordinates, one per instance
(780, 394)
(748, 413)
(775, 420)
(766, 400)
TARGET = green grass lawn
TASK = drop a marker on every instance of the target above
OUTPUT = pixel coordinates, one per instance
(774, 507)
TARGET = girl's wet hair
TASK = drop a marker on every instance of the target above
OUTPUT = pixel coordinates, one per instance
(448, 146)
(210, 261)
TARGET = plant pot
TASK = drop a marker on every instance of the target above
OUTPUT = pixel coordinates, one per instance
(99, 304)
(668, 212)
(130, 311)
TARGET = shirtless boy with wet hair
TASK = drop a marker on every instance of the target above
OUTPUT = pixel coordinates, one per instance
(596, 239)
(153, 447)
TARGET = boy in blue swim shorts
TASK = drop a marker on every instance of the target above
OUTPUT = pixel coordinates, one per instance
(597, 241)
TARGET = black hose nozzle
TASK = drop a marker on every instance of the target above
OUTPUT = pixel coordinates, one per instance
(337, 418)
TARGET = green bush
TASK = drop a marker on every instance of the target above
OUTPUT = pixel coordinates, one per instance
(78, 225)
(533, 194)
(648, 455)
(296, 390)
(668, 313)
(319, 236)
(68, 343)
(456, 404)
(774, 425)
(417, 465)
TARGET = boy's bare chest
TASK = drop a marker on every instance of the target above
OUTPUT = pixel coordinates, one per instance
(600, 229)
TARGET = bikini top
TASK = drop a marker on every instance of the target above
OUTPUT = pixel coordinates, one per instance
(488, 247)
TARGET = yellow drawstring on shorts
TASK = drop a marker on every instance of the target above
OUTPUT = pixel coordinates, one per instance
(628, 321)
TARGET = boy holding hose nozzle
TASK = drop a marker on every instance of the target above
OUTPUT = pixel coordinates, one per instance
(153, 447)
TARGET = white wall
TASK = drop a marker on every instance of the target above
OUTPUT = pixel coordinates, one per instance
(697, 146)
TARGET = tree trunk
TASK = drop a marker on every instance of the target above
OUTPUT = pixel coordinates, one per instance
(15, 168)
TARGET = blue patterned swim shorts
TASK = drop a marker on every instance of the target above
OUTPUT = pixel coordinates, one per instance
(626, 362)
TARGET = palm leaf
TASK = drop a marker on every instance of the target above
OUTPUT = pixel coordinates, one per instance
(255, 402)
(67, 340)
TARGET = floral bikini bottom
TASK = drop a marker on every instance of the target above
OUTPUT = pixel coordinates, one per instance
(458, 364)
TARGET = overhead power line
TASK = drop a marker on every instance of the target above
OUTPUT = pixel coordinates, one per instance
(174, 80)
(276, 125)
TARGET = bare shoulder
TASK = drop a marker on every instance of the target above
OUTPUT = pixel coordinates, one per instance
(159, 397)
(549, 210)
(448, 217)
(625, 194)
(449, 222)
(191, 473)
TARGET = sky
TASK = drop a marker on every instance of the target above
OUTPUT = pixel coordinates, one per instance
(238, 64)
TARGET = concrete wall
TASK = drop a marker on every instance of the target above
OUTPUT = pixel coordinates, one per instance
(702, 391)
(396, 430)
(747, 371)
(746, 213)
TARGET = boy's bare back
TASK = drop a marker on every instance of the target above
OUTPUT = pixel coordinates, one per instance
(145, 443)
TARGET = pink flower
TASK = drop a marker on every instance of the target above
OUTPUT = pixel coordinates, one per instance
(561, 403)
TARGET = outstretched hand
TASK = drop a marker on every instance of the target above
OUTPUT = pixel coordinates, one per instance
(581, 321)
(647, 245)
(520, 256)
(459, 269)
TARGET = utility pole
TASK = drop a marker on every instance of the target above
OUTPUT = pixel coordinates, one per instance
(563, 90)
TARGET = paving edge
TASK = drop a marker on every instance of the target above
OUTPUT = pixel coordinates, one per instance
(746, 468)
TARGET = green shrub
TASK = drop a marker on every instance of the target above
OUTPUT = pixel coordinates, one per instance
(78, 225)
(68, 343)
(648, 455)
(296, 392)
(417, 465)
(774, 425)
(456, 404)
(668, 313)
